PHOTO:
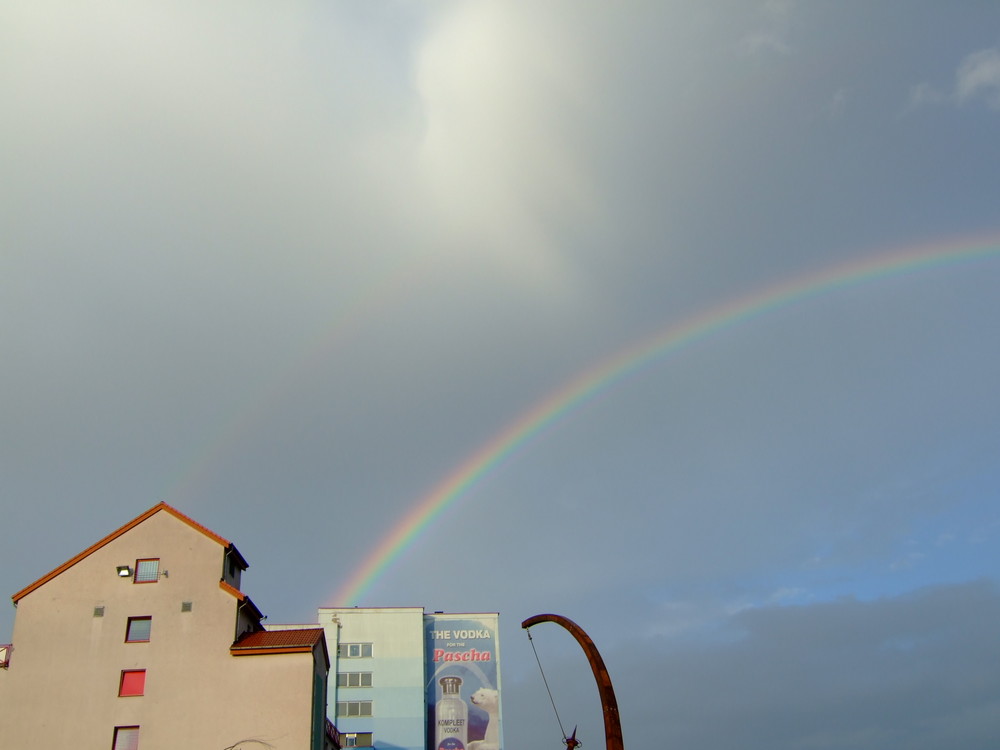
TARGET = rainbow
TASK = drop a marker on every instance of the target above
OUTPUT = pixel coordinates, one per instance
(612, 370)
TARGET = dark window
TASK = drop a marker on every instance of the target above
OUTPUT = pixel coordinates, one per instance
(357, 739)
(354, 679)
(138, 629)
(354, 708)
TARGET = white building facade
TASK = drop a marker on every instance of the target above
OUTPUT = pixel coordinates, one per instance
(403, 679)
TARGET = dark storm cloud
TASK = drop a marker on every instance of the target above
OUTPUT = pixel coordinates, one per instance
(913, 671)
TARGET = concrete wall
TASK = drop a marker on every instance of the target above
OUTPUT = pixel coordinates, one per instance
(62, 685)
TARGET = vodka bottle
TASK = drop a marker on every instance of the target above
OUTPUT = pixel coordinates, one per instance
(452, 716)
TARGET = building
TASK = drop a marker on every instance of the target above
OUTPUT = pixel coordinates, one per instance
(410, 680)
(146, 640)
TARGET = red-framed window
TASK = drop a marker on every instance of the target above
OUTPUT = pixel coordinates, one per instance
(126, 738)
(133, 682)
(138, 629)
(147, 570)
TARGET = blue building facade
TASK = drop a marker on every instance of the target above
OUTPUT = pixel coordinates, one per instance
(403, 679)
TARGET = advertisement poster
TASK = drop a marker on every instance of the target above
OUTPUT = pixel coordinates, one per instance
(463, 686)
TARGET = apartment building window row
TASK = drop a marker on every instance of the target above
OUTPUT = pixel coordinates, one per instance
(354, 679)
(354, 650)
(354, 708)
(357, 739)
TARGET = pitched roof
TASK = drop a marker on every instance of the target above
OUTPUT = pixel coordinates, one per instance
(161, 506)
(280, 642)
(305, 638)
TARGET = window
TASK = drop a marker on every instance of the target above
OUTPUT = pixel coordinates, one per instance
(147, 571)
(354, 708)
(354, 650)
(133, 682)
(354, 679)
(231, 568)
(138, 629)
(357, 739)
(99, 611)
(186, 606)
(126, 738)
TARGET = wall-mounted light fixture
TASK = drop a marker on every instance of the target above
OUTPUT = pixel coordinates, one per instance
(124, 571)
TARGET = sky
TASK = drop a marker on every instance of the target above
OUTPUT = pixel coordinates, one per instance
(674, 318)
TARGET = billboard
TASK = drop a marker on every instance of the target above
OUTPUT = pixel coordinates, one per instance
(463, 682)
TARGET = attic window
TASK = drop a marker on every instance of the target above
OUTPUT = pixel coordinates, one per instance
(147, 571)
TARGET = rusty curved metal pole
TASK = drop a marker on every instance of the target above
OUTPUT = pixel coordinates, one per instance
(612, 722)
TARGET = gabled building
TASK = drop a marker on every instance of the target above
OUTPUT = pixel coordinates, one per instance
(146, 640)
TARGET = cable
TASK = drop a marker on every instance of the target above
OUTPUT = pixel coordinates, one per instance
(551, 699)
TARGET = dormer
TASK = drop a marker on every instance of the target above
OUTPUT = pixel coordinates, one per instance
(233, 566)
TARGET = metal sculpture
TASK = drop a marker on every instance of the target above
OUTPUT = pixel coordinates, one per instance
(612, 722)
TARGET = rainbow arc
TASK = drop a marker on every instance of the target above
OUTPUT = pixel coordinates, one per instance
(606, 373)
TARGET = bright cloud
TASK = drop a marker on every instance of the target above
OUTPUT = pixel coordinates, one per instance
(979, 77)
(500, 93)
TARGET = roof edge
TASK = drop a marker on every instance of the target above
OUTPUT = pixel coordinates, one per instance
(243, 598)
(114, 535)
(260, 651)
(240, 560)
(230, 589)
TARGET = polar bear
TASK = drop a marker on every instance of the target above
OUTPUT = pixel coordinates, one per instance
(489, 701)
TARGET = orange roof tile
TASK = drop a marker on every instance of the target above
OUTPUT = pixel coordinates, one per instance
(306, 638)
(301, 641)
